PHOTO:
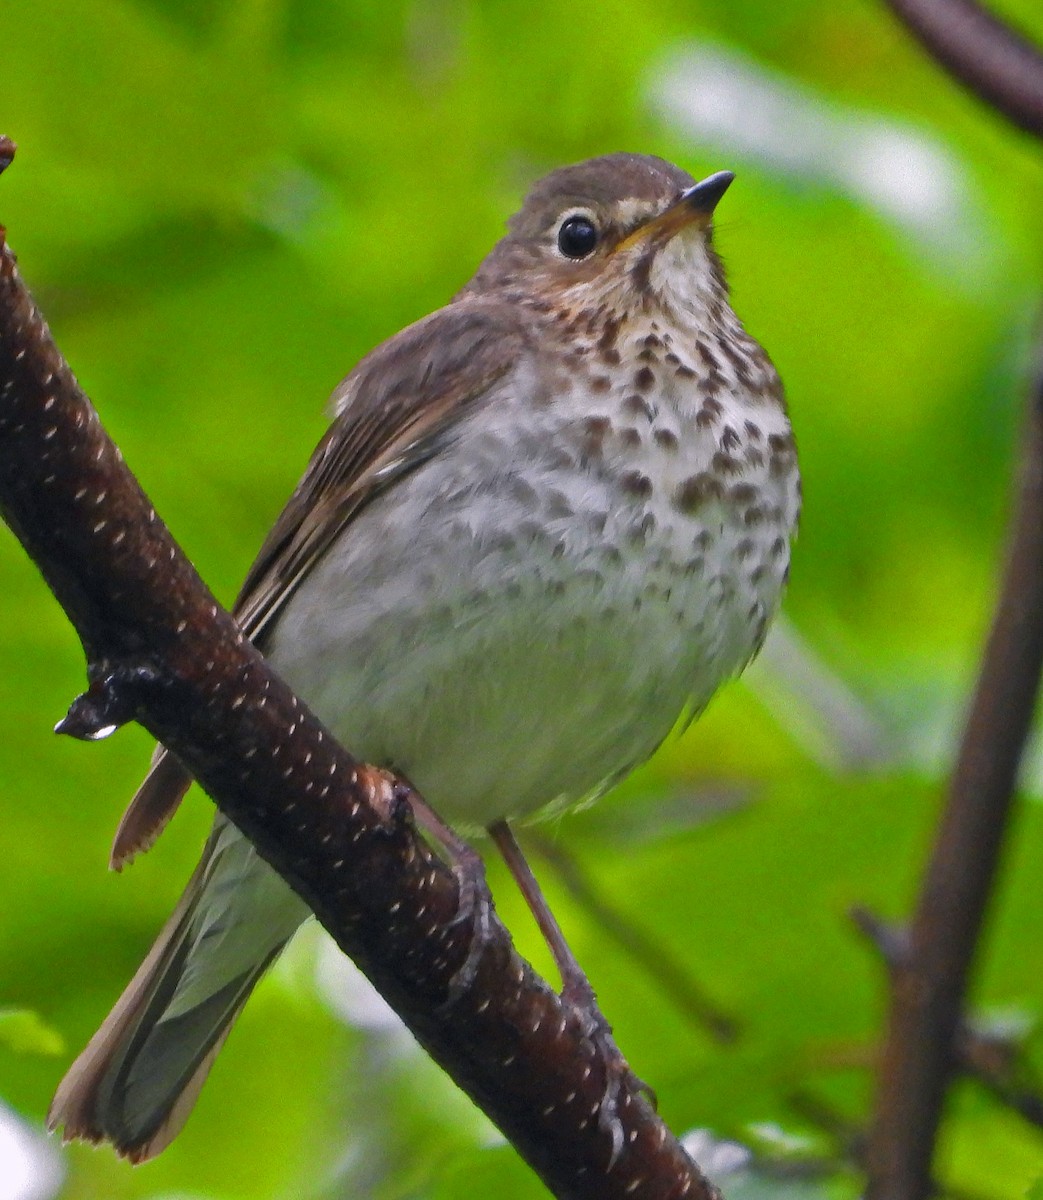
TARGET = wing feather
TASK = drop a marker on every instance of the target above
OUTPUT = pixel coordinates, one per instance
(400, 405)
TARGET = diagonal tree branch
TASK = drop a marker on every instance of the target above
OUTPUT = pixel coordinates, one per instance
(995, 62)
(161, 651)
(929, 983)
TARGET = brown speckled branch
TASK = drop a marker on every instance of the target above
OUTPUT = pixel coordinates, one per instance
(161, 651)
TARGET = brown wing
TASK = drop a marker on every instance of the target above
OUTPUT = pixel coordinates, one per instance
(402, 402)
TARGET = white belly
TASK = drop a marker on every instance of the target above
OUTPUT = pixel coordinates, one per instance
(510, 627)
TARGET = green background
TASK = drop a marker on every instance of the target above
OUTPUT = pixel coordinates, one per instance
(221, 205)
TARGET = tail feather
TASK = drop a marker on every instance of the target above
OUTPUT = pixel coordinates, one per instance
(135, 1083)
(75, 1102)
(151, 807)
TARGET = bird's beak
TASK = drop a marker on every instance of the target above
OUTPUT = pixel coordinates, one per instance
(694, 206)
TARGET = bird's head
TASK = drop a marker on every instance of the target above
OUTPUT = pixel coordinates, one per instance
(627, 231)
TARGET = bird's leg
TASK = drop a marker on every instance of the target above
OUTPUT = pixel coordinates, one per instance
(475, 901)
(575, 986)
(576, 989)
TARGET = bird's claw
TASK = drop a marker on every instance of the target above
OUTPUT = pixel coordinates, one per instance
(620, 1079)
(475, 908)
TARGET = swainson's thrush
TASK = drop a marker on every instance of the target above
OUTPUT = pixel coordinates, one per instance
(547, 520)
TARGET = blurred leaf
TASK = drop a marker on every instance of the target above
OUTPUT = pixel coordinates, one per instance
(26, 1032)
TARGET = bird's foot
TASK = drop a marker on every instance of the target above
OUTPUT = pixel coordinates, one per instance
(620, 1080)
(475, 908)
(474, 900)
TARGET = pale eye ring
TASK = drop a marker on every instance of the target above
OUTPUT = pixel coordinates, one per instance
(577, 236)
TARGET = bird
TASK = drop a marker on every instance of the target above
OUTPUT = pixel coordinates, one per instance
(546, 522)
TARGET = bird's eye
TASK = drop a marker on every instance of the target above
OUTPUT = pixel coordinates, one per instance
(577, 237)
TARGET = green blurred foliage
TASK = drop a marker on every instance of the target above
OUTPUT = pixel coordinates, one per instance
(221, 205)
(24, 1032)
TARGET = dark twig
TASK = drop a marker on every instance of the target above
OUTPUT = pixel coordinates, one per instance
(929, 987)
(850, 1140)
(161, 651)
(997, 1061)
(995, 62)
(848, 1136)
(890, 939)
(657, 958)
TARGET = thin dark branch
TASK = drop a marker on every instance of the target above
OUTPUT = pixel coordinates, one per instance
(657, 957)
(161, 651)
(997, 1061)
(1001, 1066)
(930, 985)
(848, 1136)
(850, 1139)
(994, 61)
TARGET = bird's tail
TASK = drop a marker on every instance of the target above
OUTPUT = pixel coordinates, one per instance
(135, 1083)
